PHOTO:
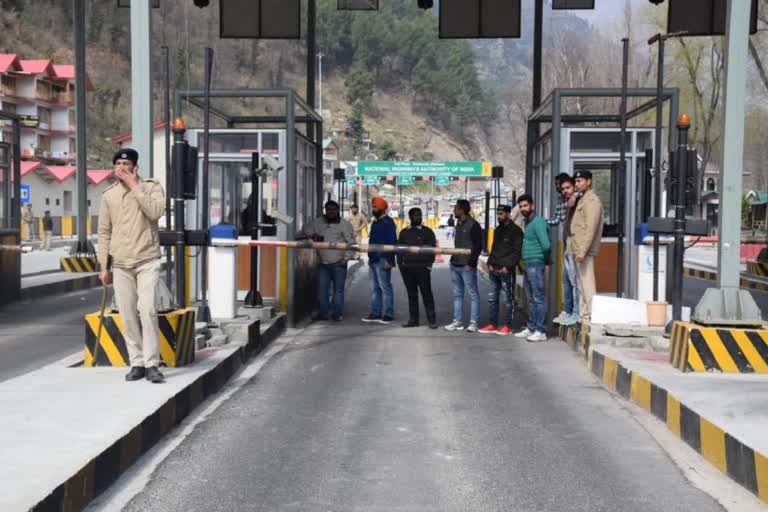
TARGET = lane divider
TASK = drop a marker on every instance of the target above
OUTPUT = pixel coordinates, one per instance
(746, 466)
(177, 339)
(78, 264)
(750, 283)
(694, 348)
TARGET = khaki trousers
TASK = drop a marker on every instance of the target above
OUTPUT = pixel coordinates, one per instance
(135, 296)
(47, 240)
(585, 280)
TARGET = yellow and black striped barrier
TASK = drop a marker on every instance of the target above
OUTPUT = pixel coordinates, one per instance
(78, 264)
(745, 281)
(694, 348)
(757, 268)
(177, 339)
(569, 334)
(746, 466)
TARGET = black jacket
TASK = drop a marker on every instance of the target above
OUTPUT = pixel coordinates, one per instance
(507, 246)
(418, 236)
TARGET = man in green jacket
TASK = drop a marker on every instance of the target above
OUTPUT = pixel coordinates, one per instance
(536, 248)
(585, 232)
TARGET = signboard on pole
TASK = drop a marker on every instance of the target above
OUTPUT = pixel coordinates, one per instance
(405, 180)
(387, 168)
(371, 180)
(25, 194)
(443, 180)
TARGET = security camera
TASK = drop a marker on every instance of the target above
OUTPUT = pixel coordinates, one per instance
(280, 216)
(271, 164)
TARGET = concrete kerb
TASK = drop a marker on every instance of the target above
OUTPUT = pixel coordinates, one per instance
(742, 463)
(81, 282)
(100, 472)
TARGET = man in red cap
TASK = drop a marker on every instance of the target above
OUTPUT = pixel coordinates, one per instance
(380, 264)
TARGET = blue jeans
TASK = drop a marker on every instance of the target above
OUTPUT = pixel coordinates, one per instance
(537, 303)
(501, 282)
(570, 290)
(462, 277)
(381, 284)
(336, 274)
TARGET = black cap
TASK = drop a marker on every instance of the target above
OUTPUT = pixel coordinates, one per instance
(587, 175)
(505, 208)
(126, 154)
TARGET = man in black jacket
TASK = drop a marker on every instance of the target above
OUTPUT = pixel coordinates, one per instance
(505, 255)
(416, 269)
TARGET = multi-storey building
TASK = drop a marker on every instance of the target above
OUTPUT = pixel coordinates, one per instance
(43, 94)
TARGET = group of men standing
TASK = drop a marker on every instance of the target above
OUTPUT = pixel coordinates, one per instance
(515, 245)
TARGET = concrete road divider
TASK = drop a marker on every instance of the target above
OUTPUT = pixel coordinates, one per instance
(177, 339)
(696, 348)
(78, 264)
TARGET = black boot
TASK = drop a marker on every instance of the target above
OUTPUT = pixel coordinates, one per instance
(433, 323)
(411, 323)
(136, 373)
(154, 376)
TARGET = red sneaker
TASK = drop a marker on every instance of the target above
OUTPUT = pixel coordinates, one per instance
(504, 331)
(488, 329)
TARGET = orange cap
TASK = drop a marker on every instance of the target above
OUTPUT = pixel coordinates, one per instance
(178, 124)
(684, 121)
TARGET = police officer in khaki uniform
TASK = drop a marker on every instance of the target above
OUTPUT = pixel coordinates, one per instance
(128, 232)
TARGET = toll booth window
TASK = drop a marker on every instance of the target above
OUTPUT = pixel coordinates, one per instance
(599, 142)
(226, 190)
(231, 142)
(270, 142)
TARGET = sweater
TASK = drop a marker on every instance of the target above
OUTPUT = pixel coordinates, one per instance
(383, 231)
(536, 240)
(507, 246)
(420, 236)
(469, 235)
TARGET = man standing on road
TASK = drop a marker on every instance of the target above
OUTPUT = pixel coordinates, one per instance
(502, 262)
(128, 232)
(333, 263)
(29, 221)
(358, 221)
(535, 257)
(47, 230)
(416, 269)
(380, 264)
(469, 235)
(586, 230)
(570, 313)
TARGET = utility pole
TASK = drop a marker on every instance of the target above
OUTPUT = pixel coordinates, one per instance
(311, 50)
(83, 245)
(728, 304)
(320, 82)
(141, 83)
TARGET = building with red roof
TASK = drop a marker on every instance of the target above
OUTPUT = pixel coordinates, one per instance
(43, 94)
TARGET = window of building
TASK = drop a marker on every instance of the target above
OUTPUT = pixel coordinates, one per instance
(43, 90)
(9, 107)
(72, 121)
(67, 200)
(43, 143)
(72, 147)
(58, 202)
(8, 85)
(710, 185)
(44, 115)
(47, 201)
(89, 203)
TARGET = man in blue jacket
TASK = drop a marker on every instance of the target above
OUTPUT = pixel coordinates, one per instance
(380, 264)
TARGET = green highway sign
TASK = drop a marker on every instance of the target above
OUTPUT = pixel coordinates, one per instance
(410, 169)
(351, 180)
(405, 180)
(443, 180)
(371, 180)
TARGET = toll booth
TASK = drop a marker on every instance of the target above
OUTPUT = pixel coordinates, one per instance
(562, 141)
(286, 277)
(10, 212)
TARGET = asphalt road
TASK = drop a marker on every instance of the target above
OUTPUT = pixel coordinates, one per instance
(355, 417)
(693, 290)
(38, 332)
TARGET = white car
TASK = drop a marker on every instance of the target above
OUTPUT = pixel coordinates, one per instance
(443, 223)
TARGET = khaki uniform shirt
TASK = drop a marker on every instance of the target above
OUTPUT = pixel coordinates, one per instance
(517, 217)
(27, 216)
(128, 224)
(586, 227)
(358, 222)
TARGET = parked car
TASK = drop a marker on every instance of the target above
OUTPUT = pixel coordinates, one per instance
(443, 223)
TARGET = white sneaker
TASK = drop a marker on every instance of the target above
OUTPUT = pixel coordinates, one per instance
(472, 327)
(524, 333)
(537, 336)
(455, 326)
(562, 317)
